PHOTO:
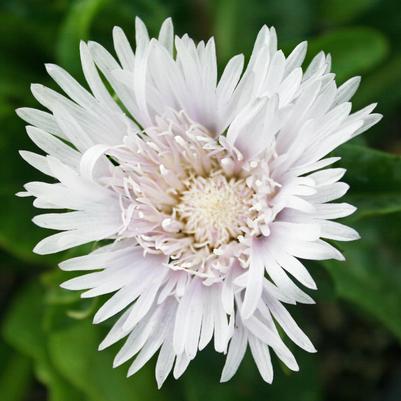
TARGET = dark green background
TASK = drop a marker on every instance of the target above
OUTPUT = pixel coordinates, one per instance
(47, 344)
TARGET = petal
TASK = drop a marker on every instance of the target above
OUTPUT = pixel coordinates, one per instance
(236, 352)
(255, 276)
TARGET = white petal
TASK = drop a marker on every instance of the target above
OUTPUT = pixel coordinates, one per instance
(288, 324)
(329, 193)
(194, 323)
(337, 231)
(347, 90)
(70, 86)
(138, 336)
(230, 78)
(221, 327)
(305, 232)
(271, 338)
(284, 283)
(37, 161)
(165, 361)
(261, 355)
(236, 352)
(146, 300)
(294, 267)
(328, 176)
(333, 210)
(207, 328)
(69, 239)
(102, 257)
(255, 275)
(41, 120)
(94, 81)
(297, 56)
(53, 146)
(123, 49)
(318, 250)
(166, 35)
(149, 349)
(141, 35)
(116, 333)
(181, 365)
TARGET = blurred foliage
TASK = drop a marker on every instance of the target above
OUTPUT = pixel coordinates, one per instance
(48, 347)
(76, 27)
(366, 46)
(375, 179)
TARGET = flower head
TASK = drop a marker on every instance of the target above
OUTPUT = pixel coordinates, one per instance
(204, 191)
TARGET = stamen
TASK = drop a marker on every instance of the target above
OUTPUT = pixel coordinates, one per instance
(215, 209)
(194, 199)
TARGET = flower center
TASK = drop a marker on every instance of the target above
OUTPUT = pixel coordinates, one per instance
(189, 196)
(214, 209)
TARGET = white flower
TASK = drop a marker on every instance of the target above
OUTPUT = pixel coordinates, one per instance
(205, 191)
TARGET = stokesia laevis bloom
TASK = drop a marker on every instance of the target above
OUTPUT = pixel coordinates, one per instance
(204, 191)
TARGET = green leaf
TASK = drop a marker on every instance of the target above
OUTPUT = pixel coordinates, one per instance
(18, 235)
(23, 329)
(22, 326)
(15, 374)
(354, 50)
(226, 19)
(339, 11)
(371, 275)
(73, 350)
(201, 380)
(27, 29)
(383, 84)
(64, 351)
(75, 28)
(375, 180)
(236, 26)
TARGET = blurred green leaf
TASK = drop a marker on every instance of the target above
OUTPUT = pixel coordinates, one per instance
(340, 11)
(227, 13)
(85, 311)
(73, 350)
(72, 305)
(15, 374)
(201, 380)
(375, 180)
(54, 294)
(23, 330)
(22, 326)
(75, 28)
(371, 275)
(16, 73)
(17, 233)
(236, 23)
(59, 389)
(383, 85)
(354, 50)
(27, 29)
